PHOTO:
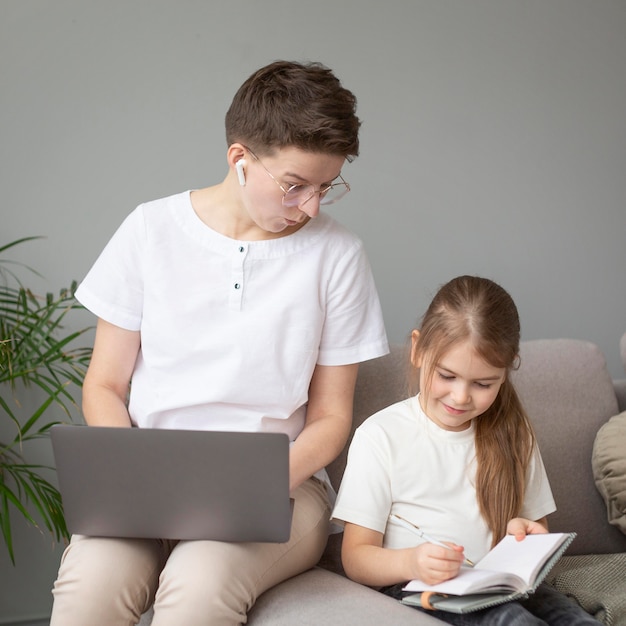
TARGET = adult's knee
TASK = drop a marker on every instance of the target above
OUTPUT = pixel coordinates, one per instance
(105, 581)
(204, 583)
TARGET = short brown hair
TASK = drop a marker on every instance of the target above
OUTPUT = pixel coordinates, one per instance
(293, 104)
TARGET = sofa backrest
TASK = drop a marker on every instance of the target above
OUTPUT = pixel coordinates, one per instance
(380, 382)
(568, 393)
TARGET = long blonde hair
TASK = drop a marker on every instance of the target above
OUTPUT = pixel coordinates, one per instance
(470, 308)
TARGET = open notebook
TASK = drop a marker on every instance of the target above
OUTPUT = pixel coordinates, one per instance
(174, 484)
(510, 571)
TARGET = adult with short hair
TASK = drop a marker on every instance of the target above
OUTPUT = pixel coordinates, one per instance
(240, 306)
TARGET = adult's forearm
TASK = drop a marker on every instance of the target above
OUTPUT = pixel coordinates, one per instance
(316, 446)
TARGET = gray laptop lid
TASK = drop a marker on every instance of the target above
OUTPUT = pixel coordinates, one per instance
(173, 484)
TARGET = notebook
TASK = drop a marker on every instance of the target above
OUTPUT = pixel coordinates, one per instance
(173, 484)
(512, 570)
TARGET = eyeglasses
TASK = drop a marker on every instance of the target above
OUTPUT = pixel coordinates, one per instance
(297, 195)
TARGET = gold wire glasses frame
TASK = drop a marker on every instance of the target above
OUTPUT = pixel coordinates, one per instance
(297, 195)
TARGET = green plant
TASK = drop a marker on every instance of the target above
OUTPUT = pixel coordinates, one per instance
(35, 352)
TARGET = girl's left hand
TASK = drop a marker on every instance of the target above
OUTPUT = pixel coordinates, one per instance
(520, 527)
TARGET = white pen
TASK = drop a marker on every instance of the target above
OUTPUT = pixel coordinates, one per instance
(416, 530)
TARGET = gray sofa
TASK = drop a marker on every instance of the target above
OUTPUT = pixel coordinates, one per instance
(569, 395)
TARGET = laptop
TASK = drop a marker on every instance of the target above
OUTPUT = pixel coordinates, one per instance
(173, 484)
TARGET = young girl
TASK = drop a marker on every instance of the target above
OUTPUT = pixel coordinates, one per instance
(459, 460)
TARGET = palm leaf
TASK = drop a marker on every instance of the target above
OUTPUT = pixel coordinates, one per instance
(35, 351)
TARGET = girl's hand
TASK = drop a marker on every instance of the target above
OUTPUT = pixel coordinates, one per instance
(434, 564)
(520, 527)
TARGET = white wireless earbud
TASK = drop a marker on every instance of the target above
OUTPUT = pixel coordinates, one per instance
(240, 173)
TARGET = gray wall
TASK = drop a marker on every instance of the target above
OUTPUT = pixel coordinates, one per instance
(493, 142)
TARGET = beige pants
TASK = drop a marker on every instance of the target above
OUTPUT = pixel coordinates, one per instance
(111, 582)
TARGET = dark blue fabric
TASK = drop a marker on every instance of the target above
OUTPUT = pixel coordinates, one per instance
(545, 607)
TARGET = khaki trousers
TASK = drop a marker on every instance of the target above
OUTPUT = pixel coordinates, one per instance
(111, 582)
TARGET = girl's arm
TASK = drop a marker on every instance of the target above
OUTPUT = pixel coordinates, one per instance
(328, 421)
(520, 527)
(367, 562)
(105, 388)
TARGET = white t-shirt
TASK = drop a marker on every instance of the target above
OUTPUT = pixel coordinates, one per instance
(400, 462)
(231, 331)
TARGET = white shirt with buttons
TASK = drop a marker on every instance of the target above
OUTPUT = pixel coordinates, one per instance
(231, 331)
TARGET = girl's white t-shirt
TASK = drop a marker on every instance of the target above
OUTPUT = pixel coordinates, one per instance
(400, 462)
(231, 331)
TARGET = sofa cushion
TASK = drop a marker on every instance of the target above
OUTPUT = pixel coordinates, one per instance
(609, 468)
(320, 597)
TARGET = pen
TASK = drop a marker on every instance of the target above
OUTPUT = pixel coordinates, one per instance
(418, 531)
